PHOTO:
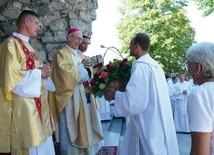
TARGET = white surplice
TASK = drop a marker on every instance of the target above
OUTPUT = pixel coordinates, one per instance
(104, 109)
(172, 95)
(180, 113)
(146, 100)
(23, 89)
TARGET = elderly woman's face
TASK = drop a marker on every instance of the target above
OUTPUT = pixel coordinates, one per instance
(192, 70)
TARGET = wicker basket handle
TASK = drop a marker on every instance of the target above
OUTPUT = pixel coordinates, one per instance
(110, 48)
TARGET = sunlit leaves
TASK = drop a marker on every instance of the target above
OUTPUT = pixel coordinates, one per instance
(206, 5)
(165, 21)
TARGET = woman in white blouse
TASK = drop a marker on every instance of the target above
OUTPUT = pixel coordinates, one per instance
(200, 63)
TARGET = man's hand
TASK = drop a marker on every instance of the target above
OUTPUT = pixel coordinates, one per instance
(109, 93)
(86, 62)
(46, 70)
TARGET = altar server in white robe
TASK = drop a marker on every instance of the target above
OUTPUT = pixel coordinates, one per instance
(146, 100)
(172, 93)
(182, 88)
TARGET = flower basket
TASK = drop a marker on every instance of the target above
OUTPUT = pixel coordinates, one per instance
(115, 74)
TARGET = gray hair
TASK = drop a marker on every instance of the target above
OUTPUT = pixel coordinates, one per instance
(202, 53)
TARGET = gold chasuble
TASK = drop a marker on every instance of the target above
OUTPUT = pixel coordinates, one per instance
(83, 131)
(24, 123)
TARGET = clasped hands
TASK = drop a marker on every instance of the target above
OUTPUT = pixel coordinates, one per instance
(46, 70)
(86, 62)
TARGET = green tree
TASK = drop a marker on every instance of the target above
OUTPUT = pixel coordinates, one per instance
(167, 26)
(206, 5)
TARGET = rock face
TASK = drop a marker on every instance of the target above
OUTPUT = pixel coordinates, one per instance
(56, 17)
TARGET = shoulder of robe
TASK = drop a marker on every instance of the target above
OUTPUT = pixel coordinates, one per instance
(62, 52)
(9, 41)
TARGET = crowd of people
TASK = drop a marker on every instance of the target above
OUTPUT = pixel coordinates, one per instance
(39, 101)
(179, 89)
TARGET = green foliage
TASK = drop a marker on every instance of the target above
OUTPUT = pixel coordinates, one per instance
(165, 22)
(206, 5)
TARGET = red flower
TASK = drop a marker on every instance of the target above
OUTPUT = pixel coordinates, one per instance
(96, 75)
(125, 60)
(110, 68)
(104, 75)
(86, 84)
(99, 66)
(93, 83)
(122, 64)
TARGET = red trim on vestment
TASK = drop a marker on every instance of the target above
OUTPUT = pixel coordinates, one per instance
(31, 65)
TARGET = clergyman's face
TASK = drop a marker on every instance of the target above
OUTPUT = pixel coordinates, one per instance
(32, 26)
(75, 39)
(84, 45)
(181, 78)
(132, 48)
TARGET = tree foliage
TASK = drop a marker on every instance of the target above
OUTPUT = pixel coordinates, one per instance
(206, 5)
(167, 26)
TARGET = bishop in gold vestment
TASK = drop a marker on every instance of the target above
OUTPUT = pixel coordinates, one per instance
(79, 128)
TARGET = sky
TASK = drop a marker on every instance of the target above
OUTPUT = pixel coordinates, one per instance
(104, 29)
(105, 32)
(204, 26)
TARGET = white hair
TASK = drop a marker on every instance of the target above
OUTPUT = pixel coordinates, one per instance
(202, 53)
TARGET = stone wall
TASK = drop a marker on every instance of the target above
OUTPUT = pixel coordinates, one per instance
(56, 17)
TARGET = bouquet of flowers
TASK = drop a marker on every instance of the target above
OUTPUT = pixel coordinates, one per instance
(115, 74)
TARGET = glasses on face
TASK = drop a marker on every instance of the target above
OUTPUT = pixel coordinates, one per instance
(85, 43)
(188, 64)
(77, 38)
(132, 44)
